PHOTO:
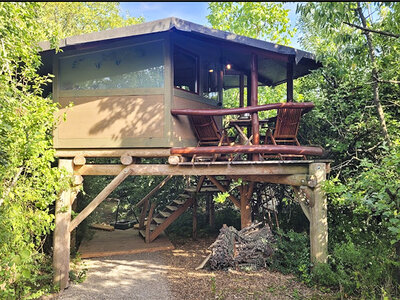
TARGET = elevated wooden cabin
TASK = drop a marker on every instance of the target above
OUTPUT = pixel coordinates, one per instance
(134, 90)
(124, 82)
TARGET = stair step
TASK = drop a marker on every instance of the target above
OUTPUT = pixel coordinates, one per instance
(159, 220)
(186, 196)
(210, 189)
(164, 214)
(179, 202)
(142, 233)
(213, 186)
(171, 207)
(190, 190)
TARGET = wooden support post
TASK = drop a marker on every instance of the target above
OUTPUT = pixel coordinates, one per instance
(208, 200)
(148, 224)
(289, 82)
(194, 216)
(245, 207)
(318, 216)
(241, 90)
(212, 213)
(249, 132)
(254, 101)
(143, 214)
(100, 197)
(221, 85)
(62, 238)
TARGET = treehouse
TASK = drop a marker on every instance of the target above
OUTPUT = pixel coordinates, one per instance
(124, 82)
(157, 90)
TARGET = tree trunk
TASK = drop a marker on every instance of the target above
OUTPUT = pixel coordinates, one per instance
(375, 78)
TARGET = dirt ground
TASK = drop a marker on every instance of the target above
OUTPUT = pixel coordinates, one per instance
(187, 283)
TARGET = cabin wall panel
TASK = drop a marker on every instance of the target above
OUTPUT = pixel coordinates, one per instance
(111, 121)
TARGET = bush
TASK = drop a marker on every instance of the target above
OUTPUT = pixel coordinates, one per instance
(358, 270)
(292, 254)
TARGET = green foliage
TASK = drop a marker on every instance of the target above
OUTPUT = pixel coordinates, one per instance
(261, 20)
(375, 191)
(63, 19)
(292, 254)
(363, 190)
(29, 183)
(358, 269)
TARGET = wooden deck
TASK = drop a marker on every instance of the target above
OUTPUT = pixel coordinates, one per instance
(109, 243)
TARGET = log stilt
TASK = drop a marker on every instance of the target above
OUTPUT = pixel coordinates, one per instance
(318, 216)
(212, 213)
(62, 237)
(194, 216)
(245, 207)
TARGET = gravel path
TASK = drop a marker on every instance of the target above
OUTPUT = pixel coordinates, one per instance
(134, 276)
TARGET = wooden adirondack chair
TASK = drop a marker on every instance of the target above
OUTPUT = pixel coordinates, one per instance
(208, 134)
(285, 131)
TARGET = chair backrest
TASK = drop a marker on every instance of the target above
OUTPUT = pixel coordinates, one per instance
(287, 123)
(205, 128)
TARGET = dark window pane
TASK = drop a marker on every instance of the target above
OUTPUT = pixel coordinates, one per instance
(185, 71)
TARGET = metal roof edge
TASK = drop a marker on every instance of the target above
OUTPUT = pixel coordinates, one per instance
(166, 24)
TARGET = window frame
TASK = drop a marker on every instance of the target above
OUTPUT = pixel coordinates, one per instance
(197, 59)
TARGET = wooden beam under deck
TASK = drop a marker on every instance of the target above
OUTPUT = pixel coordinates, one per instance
(195, 170)
(137, 152)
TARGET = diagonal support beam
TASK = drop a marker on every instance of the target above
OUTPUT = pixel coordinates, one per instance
(200, 183)
(299, 197)
(223, 190)
(99, 198)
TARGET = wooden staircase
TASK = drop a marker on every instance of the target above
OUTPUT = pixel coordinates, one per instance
(158, 223)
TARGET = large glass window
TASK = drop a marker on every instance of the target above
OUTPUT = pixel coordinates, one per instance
(139, 66)
(186, 71)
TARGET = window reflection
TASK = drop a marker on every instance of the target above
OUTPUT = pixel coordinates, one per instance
(140, 66)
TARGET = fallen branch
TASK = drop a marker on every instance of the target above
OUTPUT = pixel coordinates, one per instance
(250, 246)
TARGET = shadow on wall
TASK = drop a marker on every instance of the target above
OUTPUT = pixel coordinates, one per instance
(113, 118)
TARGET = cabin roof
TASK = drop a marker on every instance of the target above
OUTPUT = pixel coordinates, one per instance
(304, 61)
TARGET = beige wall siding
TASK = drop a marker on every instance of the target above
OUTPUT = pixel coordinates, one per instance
(112, 121)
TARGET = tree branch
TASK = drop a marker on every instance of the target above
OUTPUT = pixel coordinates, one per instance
(13, 183)
(389, 81)
(374, 31)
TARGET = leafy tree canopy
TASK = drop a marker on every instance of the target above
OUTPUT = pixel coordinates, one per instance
(63, 19)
